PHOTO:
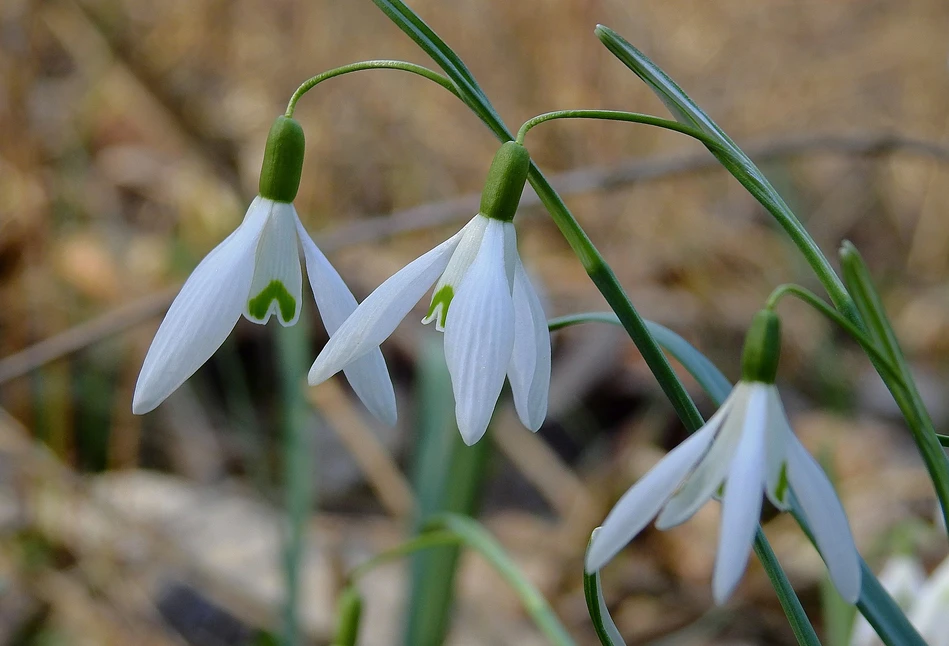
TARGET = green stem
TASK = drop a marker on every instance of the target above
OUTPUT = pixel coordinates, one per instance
(606, 281)
(425, 541)
(616, 115)
(412, 68)
(812, 299)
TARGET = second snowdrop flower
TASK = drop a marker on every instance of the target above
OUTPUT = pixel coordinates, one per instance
(483, 301)
(256, 272)
(747, 447)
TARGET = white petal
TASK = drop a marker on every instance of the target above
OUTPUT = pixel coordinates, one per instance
(644, 499)
(203, 314)
(368, 375)
(827, 519)
(741, 506)
(479, 336)
(529, 371)
(278, 284)
(708, 476)
(447, 285)
(779, 433)
(377, 316)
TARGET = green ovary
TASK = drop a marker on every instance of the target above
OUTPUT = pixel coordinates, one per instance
(275, 291)
(439, 307)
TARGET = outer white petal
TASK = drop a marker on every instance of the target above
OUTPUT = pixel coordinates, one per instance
(779, 435)
(203, 314)
(377, 316)
(708, 476)
(464, 254)
(827, 519)
(741, 506)
(479, 336)
(529, 372)
(368, 375)
(278, 282)
(643, 500)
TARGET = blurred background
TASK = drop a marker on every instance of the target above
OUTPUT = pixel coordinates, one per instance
(131, 135)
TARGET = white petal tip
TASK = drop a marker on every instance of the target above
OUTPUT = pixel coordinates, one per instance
(849, 585)
(471, 436)
(317, 374)
(142, 403)
(596, 559)
(388, 416)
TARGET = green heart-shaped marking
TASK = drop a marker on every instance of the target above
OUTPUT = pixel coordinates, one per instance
(275, 291)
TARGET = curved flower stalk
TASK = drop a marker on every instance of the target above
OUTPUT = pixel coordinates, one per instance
(483, 301)
(256, 272)
(747, 447)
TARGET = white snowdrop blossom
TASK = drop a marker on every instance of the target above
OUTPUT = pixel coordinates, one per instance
(256, 272)
(483, 301)
(745, 449)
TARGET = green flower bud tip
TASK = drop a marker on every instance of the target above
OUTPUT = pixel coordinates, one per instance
(505, 183)
(283, 161)
(759, 360)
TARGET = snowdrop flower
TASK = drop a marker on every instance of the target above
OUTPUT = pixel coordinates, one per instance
(745, 448)
(256, 272)
(493, 321)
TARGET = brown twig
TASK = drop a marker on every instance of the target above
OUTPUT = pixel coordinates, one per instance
(574, 182)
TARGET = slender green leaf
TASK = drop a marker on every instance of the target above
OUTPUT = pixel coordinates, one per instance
(870, 305)
(602, 621)
(477, 538)
(702, 370)
(292, 350)
(733, 159)
(448, 476)
(943, 439)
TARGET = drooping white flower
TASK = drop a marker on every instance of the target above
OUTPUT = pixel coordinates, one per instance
(746, 448)
(483, 301)
(256, 272)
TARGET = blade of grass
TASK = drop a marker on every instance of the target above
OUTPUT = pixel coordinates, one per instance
(447, 476)
(292, 352)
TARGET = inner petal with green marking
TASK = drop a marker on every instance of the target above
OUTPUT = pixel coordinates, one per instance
(274, 293)
(438, 310)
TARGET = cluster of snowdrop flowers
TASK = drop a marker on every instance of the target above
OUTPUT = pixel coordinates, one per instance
(747, 447)
(483, 301)
(256, 272)
(493, 323)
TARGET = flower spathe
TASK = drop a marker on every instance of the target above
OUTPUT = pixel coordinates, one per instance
(492, 318)
(747, 447)
(255, 272)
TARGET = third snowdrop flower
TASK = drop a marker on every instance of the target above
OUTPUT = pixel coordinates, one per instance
(256, 272)
(493, 321)
(746, 448)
